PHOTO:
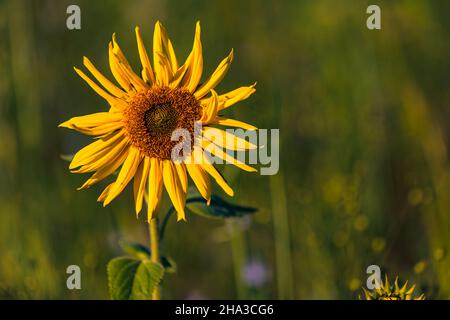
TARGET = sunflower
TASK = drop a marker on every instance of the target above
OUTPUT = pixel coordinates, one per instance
(135, 133)
(386, 291)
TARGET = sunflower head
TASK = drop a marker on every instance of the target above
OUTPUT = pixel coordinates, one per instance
(386, 291)
(135, 135)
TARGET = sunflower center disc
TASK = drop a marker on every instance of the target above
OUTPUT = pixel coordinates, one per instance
(152, 116)
(160, 119)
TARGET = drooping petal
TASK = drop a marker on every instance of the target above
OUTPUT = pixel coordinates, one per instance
(208, 167)
(215, 78)
(126, 173)
(201, 180)
(174, 188)
(147, 70)
(181, 171)
(140, 182)
(105, 193)
(155, 186)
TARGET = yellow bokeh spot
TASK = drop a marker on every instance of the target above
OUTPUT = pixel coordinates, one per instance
(420, 267)
(361, 222)
(415, 197)
(439, 254)
(378, 244)
(354, 284)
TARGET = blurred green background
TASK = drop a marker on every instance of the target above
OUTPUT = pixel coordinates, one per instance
(364, 137)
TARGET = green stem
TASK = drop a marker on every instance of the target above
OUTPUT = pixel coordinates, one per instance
(154, 246)
(238, 253)
(283, 257)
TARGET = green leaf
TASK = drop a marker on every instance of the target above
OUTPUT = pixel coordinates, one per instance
(169, 264)
(149, 274)
(132, 279)
(218, 208)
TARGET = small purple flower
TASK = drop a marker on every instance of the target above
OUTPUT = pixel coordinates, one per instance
(196, 295)
(255, 273)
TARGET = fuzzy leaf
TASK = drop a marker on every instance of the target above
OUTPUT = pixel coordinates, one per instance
(132, 279)
(148, 275)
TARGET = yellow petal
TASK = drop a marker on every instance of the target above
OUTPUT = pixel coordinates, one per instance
(102, 93)
(201, 180)
(217, 151)
(95, 150)
(155, 182)
(194, 63)
(233, 123)
(126, 173)
(172, 56)
(140, 180)
(162, 43)
(105, 158)
(230, 98)
(123, 64)
(108, 85)
(218, 177)
(216, 77)
(162, 59)
(163, 73)
(181, 171)
(107, 170)
(147, 70)
(210, 111)
(105, 193)
(226, 140)
(178, 76)
(91, 120)
(99, 130)
(117, 72)
(174, 188)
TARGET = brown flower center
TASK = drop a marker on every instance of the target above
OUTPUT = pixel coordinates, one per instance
(160, 119)
(153, 115)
